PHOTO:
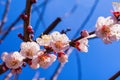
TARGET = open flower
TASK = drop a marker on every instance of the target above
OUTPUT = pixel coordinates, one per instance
(29, 49)
(82, 45)
(60, 42)
(107, 29)
(35, 60)
(44, 40)
(13, 60)
(115, 32)
(43, 60)
(34, 63)
(46, 60)
(63, 58)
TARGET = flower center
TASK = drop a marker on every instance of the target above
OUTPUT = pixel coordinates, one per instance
(14, 62)
(43, 57)
(58, 44)
(105, 30)
(29, 53)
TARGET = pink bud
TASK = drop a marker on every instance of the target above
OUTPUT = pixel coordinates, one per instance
(24, 17)
(20, 36)
(30, 30)
(84, 33)
(4, 68)
(31, 36)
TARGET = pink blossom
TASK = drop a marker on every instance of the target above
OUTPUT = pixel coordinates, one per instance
(29, 49)
(13, 60)
(82, 45)
(107, 29)
(46, 60)
(45, 40)
(63, 58)
(60, 42)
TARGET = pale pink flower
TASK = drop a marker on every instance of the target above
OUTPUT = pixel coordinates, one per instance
(109, 21)
(107, 29)
(45, 40)
(35, 64)
(29, 49)
(63, 58)
(46, 60)
(13, 60)
(35, 60)
(115, 32)
(82, 45)
(60, 42)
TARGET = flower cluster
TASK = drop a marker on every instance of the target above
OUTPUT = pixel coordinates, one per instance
(109, 28)
(46, 49)
(33, 53)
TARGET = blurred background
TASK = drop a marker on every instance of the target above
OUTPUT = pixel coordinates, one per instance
(100, 63)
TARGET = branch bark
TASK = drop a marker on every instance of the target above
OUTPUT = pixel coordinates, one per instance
(115, 76)
(27, 21)
(52, 26)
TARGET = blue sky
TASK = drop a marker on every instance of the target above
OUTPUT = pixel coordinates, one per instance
(100, 63)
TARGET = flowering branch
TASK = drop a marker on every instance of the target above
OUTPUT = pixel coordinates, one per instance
(56, 45)
(5, 14)
(27, 21)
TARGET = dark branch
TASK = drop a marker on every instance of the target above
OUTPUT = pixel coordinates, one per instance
(115, 76)
(27, 22)
(52, 26)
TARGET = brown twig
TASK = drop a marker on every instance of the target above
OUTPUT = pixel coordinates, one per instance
(93, 32)
(115, 76)
(52, 26)
(5, 14)
(27, 21)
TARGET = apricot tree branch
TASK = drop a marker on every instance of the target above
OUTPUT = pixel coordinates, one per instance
(27, 21)
(115, 76)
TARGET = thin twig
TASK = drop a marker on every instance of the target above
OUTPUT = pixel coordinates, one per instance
(115, 76)
(52, 26)
(5, 14)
